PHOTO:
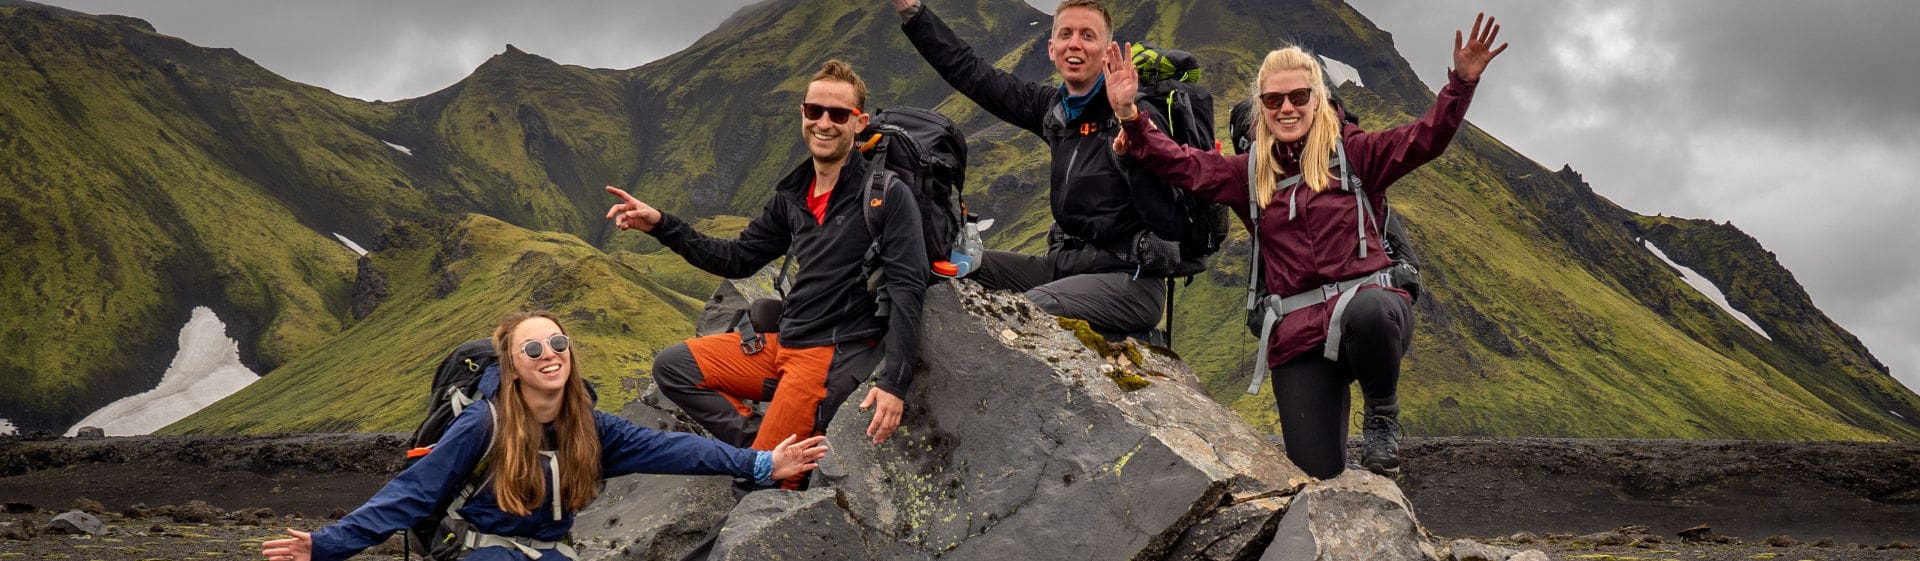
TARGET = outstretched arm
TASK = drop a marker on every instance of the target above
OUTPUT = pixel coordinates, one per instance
(1383, 157)
(1212, 176)
(627, 448)
(428, 485)
(1019, 102)
(765, 238)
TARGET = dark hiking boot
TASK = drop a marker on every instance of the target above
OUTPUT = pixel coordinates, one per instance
(1380, 451)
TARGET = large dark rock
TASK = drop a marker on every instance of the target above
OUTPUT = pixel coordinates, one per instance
(653, 517)
(1019, 441)
(1016, 439)
(800, 526)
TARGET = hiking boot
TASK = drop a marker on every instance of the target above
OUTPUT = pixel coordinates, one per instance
(1380, 451)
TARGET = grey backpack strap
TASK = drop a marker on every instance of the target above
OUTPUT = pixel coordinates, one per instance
(1364, 208)
(1253, 214)
(1253, 276)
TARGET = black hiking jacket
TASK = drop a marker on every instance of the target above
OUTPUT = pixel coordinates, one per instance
(1092, 192)
(829, 303)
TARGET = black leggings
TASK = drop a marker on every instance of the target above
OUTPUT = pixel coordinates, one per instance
(1311, 391)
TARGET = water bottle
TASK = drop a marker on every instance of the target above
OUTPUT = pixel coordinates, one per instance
(966, 253)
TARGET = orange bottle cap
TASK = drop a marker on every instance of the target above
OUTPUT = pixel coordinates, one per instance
(945, 268)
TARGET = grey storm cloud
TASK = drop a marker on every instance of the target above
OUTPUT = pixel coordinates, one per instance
(1792, 120)
(380, 49)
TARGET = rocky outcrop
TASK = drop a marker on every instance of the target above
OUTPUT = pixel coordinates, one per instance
(1019, 439)
(369, 288)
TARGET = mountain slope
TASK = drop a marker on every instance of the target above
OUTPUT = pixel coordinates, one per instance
(451, 281)
(1548, 317)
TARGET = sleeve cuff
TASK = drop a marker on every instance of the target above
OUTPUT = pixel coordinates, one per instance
(1136, 135)
(668, 228)
(763, 468)
(1454, 80)
(890, 386)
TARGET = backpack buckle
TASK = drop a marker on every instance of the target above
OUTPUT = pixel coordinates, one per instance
(1329, 291)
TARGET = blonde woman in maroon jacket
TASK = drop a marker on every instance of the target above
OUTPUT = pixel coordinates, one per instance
(1351, 325)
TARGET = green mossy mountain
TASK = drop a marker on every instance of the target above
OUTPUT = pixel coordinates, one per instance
(1548, 315)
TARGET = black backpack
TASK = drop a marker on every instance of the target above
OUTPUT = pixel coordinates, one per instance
(456, 384)
(1169, 82)
(928, 153)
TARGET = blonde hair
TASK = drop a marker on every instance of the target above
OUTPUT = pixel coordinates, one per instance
(1094, 5)
(1321, 134)
(519, 472)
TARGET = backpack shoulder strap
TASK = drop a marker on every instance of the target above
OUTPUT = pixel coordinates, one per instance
(1253, 214)
(1363, 208)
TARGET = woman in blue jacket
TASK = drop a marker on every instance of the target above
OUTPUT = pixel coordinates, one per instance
(545, 451)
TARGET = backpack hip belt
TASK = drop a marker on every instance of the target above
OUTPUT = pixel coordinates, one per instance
(528, 546)
(1275, 307)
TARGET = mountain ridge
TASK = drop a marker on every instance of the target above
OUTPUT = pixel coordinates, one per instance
(1548, 317)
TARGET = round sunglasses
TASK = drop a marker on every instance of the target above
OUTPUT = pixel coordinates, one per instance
(838, 115)
(1299, 97)
(537, 348)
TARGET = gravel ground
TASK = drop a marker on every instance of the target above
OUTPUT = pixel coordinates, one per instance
(1766, 500)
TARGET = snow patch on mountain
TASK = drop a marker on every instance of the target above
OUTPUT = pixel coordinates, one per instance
(350, 245)
(1707, 289)
(206, 370)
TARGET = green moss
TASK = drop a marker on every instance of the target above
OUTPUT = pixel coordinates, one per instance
(1127, 379)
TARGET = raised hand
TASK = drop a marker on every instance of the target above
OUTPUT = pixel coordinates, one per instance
(902, 5)
(1471, 59)
(297, 548)
(630, 213)
(1123, 81)
(887, 409)
(794, 458)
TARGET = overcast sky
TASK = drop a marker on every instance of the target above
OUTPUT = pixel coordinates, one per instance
(1796, 121)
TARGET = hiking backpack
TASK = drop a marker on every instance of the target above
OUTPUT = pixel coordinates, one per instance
(929, 154)
(1169, 82)
(457, 383)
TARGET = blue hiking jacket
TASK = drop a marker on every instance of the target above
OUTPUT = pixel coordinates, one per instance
(625, 448)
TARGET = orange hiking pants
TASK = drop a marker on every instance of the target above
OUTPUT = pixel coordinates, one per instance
(709, 377)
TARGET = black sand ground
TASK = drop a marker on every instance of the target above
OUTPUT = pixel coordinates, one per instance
(1858, 497)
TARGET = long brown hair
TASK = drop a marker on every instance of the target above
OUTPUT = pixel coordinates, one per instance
(519, 470)
(1321, 135)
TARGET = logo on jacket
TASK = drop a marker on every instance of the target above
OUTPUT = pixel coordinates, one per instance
(875, 203)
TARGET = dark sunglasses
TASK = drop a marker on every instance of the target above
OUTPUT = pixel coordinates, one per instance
(839, 115)
(537, 348)
(1299, 97)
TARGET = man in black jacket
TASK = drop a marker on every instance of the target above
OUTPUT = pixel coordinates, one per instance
(1103, 264)
(830, 337)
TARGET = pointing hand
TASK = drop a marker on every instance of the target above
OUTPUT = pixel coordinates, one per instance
(630, 213)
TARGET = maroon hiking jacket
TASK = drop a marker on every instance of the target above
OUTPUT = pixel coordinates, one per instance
(1321, 245)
